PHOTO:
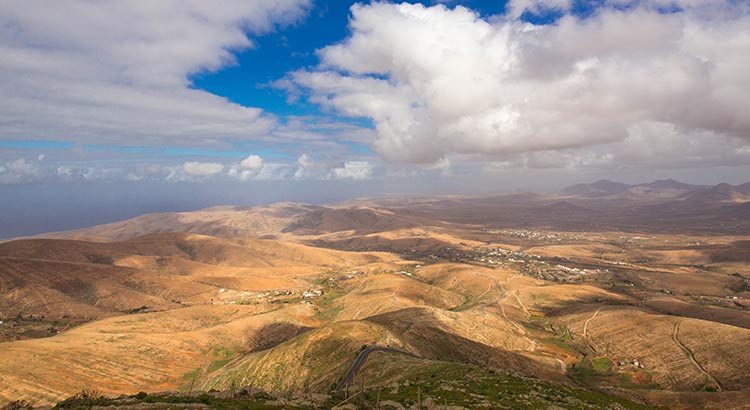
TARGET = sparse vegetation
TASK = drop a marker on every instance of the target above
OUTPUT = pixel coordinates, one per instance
(484, 311)
(18, 405)
(188, 248)
(84, 399)
(100, 259)
(455, 384)
(601, 364)
(141, 309)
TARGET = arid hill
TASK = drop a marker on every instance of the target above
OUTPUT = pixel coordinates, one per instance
(482, 295)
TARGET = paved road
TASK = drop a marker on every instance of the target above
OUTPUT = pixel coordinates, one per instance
(362, 358)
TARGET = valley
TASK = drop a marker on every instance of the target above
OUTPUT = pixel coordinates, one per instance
(592, 297)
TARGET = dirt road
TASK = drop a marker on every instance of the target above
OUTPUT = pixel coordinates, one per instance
(691, 356)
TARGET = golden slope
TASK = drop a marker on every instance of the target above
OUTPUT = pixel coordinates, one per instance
(126, 354)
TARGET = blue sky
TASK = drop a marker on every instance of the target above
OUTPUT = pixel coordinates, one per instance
(291, 48)
(249, 79)
(456, 96)
(248, 82)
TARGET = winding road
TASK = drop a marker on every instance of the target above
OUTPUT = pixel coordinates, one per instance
(362, 358)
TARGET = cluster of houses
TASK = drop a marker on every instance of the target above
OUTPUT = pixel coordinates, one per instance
(576, 271)
(348, 275)
(535, 235)
(247, 297)
(311, 293)
(498, 256)
(635, 363)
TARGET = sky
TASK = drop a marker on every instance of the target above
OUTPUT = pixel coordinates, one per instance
(115, 108)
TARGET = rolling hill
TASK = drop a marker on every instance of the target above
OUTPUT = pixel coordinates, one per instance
(288, 298)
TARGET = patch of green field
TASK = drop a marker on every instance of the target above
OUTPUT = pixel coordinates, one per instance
(192, 374)
(216, 365)
(601, 364)
(561, 342)
(456, 384)
(326, 304)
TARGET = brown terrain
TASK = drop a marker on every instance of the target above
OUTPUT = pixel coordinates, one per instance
(640, 292)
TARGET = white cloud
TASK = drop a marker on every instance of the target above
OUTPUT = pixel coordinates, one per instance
(242, 175)
(118, 71)
(19, 171)
(437, 81)
(103, 174)
(64, 171)
(252, 162)
(249, 168)
(443, 165)
(306, 165)
(275, 172)
(265, 172)
(201, 169)
(518, 7)
(305, 161)
(133, 177)
(353, 170)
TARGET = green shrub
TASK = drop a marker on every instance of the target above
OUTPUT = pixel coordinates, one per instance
(84, 398)
(18, 405)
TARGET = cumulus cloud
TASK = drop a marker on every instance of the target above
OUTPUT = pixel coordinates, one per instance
(247, 169)
(438, 81)
(115, 71)
(265, 172)
(201, 169)
(252, 162)
(64, 171)
(19, 171)
(358, 170)
(240, 174)
(306, 165)
(304, 161)
(133, 177)
(103, 174)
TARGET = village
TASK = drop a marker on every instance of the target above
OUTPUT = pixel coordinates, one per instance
(536, 235)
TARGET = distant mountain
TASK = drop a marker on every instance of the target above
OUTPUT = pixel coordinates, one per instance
(360, 219)
(665, 203)
(220, 221)
(657, 191)
(597, 189)
(721, 193)
(563, 207)
(670, 184)
(661, 190)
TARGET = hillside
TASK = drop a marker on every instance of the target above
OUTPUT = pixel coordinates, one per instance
(388, 297)
(225, 221)
(664, 206)
(50, 280)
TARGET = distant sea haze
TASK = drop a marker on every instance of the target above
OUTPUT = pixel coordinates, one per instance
(36, 209)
